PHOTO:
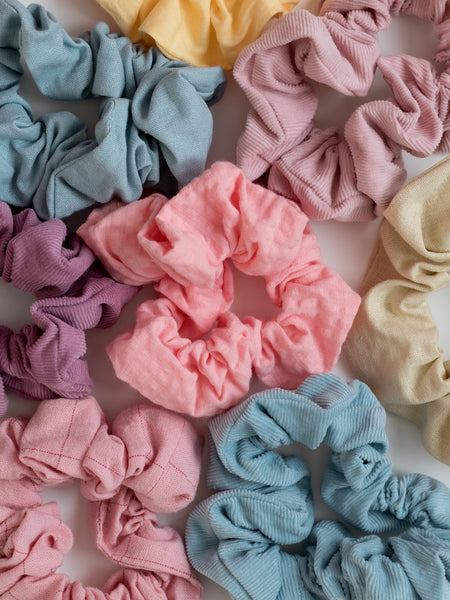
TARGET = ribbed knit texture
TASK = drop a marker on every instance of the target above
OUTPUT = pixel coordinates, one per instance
(234, 536)
(154, 127)
(148, 462)
(354, 176)
(73, 292)
(394, 342)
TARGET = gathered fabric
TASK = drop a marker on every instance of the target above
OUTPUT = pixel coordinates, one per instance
(73, 293)
(188, 350)
(235, 536)
(154, 127)
(203, 33)
(394, 343)
(354, 176)
(147, 463)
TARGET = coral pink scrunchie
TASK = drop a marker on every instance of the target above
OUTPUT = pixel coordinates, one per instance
(354, 177)
(73, 292)
(148, 462)
(174, 355)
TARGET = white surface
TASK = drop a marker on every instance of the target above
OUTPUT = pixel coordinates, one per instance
(345, 246)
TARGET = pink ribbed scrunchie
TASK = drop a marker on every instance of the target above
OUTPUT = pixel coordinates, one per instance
(73, 292)
(187, 350)
(354, 177)
(148, 462)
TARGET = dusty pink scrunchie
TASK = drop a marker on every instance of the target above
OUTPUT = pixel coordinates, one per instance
(187, 350)
(148, 462)
(356, 176)
(73, 292)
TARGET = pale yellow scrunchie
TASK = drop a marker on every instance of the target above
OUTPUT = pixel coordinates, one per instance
(201, 32)
(393, 344)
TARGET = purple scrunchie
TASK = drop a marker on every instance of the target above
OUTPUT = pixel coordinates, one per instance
(73, 293)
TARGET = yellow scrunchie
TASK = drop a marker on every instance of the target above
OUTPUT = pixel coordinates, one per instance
(393, 344)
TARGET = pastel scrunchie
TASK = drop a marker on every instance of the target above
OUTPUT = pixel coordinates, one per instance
(394, 342)
(353, 177)
(149, 462)
(155, 126)
(73, 292)
(234, 536)
(187, 350)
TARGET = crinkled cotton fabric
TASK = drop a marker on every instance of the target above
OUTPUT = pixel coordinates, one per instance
(188, 351)
(394, 342)
(352, 177)
(73, 293)
(147, 463)
(234, 536)
(154, 126)
(202, 33)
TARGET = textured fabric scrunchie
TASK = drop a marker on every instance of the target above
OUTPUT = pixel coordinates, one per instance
(73, 292)
(187, 350)
(154, 126)
(149, 462)
(353, 177)
(234, 536)
(204, 33)
(394, 343)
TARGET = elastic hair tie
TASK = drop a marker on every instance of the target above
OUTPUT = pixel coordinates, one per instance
(147, 463)
(234, 536)
(394, 343)
(353, 177)
(187, 350)
(155, 126)
(73, 292)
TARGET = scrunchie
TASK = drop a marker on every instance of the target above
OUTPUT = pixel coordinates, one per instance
(73, 292)
(353, 178)
(149, 462)
(175, 355)
(234, 536)
(203, 33)
(394, 343)
(154, 120)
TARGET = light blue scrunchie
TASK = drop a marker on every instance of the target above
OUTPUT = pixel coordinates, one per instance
(154, 115)
(234, 537)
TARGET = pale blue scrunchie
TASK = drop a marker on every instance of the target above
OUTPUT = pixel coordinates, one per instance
(154, 115)
(234, 537)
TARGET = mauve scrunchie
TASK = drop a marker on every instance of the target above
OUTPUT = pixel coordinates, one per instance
(394, 342)
(353, 178)
(73, 292)
(187, 350)
(154, 115)
(147, 463)
(234, 537)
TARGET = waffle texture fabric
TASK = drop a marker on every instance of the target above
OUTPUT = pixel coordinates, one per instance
(394, 342)
(351, 177)
(188, 351)
(234, 536)
(147, 463)
(73, 293)
(202, 33)
(154, 126)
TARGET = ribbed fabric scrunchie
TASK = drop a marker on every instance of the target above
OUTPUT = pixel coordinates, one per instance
(149, 462)
(353, 178)
(394, 342)
(187, 350)
(73, 292)
(234, 536)
(154, 128)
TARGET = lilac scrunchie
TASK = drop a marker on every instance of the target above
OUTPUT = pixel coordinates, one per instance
(73, 292)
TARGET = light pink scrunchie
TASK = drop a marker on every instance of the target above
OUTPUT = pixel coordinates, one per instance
(187, 350)
(353, 177)
(148, 462)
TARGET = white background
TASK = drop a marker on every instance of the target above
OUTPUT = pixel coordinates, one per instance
(345, 247)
